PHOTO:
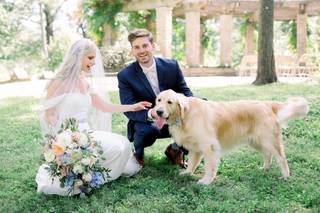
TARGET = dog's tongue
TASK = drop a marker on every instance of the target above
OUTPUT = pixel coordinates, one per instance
(160, 122)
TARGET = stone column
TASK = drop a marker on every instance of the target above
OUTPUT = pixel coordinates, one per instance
(249, 39)
(107, 39)
(202, 26)
(301, 33)
(193, 43)
(164, 30)
(226, 27)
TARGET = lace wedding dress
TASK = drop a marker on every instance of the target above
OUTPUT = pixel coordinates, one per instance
(116, 148)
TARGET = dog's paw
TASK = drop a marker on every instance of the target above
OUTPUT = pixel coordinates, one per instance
(205, 180)
(185, 172)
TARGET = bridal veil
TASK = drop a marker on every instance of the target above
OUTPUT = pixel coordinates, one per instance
(68, 80)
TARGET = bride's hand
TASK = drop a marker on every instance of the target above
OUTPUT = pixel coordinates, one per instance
(140, 106)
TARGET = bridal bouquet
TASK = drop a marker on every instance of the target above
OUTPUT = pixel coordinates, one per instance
(73, 157)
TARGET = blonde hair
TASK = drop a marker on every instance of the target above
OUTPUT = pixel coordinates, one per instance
(71, 63)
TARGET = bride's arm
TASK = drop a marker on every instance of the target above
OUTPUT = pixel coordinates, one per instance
(50, 115)
(110, 107)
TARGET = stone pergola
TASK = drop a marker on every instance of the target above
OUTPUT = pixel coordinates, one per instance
(225, 10)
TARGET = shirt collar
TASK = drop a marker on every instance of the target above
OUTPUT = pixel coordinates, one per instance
(148, 69)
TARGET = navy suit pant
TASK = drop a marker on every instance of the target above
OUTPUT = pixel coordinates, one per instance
(145, 134)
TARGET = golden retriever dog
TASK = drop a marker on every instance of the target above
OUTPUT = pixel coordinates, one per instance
(208, 129)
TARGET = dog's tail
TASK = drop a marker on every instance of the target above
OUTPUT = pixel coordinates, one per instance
(294, 108)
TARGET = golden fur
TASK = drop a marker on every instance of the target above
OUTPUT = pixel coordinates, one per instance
(207, 129)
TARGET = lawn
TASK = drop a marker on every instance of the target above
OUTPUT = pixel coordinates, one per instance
(241, 185)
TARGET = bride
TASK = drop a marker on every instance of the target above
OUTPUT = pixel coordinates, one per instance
(69, 95)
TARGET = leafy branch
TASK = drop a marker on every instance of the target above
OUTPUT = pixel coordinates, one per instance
(101, 12)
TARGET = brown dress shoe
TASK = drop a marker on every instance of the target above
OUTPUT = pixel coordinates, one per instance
(140, 161)
(176, 156)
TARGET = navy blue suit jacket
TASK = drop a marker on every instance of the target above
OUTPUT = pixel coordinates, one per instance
(134, 87)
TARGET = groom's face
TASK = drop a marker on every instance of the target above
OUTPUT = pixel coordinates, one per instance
(142, 50)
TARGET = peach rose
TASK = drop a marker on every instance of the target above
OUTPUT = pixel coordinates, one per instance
(57, 149)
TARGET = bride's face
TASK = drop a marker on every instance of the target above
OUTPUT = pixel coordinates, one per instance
(88, 61)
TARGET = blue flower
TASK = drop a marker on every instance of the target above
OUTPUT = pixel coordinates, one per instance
(97, 180)
(68, 182)
(90, 149)
(66, 159)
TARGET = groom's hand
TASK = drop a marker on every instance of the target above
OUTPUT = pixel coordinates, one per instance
(153, 114)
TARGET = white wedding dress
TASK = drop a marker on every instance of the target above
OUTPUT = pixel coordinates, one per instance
(116, 148)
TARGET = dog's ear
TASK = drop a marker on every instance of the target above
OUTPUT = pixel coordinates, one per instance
(183, 105)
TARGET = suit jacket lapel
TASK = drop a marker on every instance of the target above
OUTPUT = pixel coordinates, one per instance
(144, 79)
(160, 74)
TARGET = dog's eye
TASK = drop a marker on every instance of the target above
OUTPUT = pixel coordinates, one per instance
(159, 100)
(169, 102)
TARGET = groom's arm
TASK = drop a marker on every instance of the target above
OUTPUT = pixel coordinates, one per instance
(127, 97)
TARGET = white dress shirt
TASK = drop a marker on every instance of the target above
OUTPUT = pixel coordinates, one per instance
(151, 74)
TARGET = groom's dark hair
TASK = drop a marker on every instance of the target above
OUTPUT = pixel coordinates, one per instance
(137, 33)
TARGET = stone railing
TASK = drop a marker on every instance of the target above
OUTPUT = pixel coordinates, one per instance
(306, 65)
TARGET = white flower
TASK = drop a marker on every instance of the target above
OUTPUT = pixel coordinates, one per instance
(85, 161)
(74, 146)
(64, 139)
(77, 169)
(68, 131)
(78, 183)
(87, 177)
(93, 160)
(83, 139)
(49, 155)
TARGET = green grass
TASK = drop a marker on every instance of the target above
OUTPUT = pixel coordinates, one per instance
(241, 185)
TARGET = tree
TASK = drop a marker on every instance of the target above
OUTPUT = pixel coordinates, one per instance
(266, 72)
(100, 13)
(104, 19)
(16, 42)
(50, 10)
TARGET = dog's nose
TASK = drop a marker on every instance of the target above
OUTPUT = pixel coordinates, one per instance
(159, 112)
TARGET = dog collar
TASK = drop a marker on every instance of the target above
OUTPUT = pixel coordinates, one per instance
(178, 122)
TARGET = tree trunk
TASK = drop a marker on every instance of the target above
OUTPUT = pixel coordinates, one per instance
(110, 35)
(83, 29)
(49, 22)
(79, 19)
(266, 72)
(43, 36)
(107, 38)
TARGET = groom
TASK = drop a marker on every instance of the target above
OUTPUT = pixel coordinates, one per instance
(143, 80)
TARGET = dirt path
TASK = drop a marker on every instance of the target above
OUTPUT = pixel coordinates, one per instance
(35, 88)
